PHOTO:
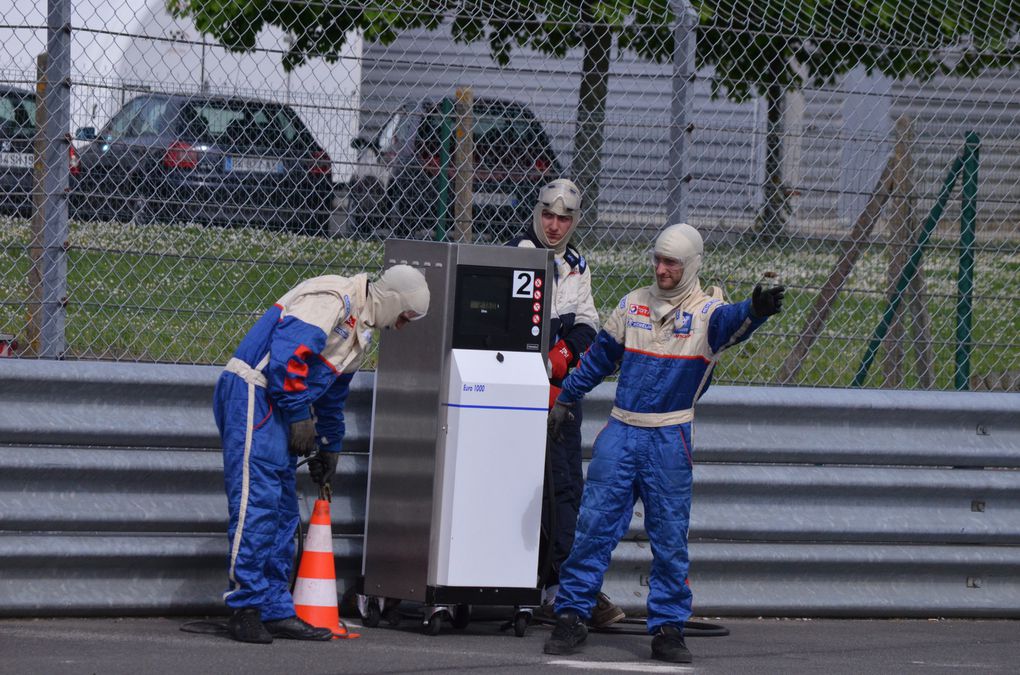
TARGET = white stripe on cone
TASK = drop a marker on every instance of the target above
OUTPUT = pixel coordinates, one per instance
(319, 539)
(315, 592)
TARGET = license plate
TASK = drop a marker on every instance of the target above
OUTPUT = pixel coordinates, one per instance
(492, 199)
(22, 160)
(253, 164)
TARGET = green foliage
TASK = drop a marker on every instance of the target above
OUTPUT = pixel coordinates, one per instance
(745, 40)
(320, 28)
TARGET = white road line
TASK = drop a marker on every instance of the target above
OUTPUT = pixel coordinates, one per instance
(626, 667)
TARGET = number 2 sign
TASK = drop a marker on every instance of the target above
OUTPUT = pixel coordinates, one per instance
(523, 283)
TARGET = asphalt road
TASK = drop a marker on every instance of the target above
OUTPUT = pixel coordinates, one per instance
(157, 645)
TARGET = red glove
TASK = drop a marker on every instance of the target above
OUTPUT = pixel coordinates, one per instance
(554, 393)
(560, 357)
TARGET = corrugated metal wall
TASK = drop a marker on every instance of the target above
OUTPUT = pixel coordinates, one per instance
(807, 502)
(838, 136)
(943, 111)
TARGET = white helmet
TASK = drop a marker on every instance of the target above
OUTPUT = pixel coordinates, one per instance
(564, 199)
(401, 288)
(683, 243)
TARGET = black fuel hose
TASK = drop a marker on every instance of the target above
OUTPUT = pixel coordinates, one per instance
(209, 627)
(300, 548)
(550, 534)
(624, 627)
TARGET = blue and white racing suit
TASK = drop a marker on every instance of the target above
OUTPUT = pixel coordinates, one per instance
(645, 449)
(298, 358)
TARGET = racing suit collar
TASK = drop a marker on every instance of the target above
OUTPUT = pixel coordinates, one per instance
(559, 249)
(664, 302)
(382, 309)
(569, 254)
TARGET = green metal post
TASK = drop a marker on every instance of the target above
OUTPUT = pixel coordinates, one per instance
(909, 270)
(965, 275)
(443, 180)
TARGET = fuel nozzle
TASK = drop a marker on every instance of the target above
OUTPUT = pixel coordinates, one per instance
(326, 492)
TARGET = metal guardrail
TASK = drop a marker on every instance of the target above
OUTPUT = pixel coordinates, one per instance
(807, 502)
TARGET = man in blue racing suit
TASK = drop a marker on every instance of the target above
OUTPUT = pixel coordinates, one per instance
(280, 396)
(664, 339)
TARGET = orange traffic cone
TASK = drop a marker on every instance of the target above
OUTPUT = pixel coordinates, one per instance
(315, 589)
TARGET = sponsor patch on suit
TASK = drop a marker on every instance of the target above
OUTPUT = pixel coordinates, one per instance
(709, 305)
(344, 329)
(682, 324)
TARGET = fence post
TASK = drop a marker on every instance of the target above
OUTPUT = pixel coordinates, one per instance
(907, 274)
(902, 232)
(33, 327)
(684, 72)
(965, 276)
(443, 178)
(48, 317)
(904, 204)
(464, 165)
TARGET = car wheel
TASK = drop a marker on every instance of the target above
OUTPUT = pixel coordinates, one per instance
(141, 210)
(313, 224)
(319, 225)
(403, 226)
(409, 217)
(363, 210)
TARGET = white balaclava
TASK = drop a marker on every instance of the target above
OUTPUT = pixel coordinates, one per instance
(401, 288)
(564, 199)
(679, 242)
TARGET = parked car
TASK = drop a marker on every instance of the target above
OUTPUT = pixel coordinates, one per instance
(207, 158)
(395, 186)
(17, 134)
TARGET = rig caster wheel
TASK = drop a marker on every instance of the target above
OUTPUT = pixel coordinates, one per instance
(372, 615)
(521, 622)
(433, 625)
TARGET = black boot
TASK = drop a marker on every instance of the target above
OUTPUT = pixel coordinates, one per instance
(567, 634)
(246, 626)
(605, 613)
(668, 645)
(294, 628)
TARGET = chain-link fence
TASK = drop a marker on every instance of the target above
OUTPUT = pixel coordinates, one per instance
(159, 189)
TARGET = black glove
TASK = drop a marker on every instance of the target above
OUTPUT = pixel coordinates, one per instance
(323, 466)
(302, 437)
(559, 414)
(766, 303)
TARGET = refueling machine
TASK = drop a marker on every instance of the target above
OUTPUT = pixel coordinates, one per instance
(458, 437)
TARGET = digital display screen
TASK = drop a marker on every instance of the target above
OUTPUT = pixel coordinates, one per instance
(484, 303)
(485, 306)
